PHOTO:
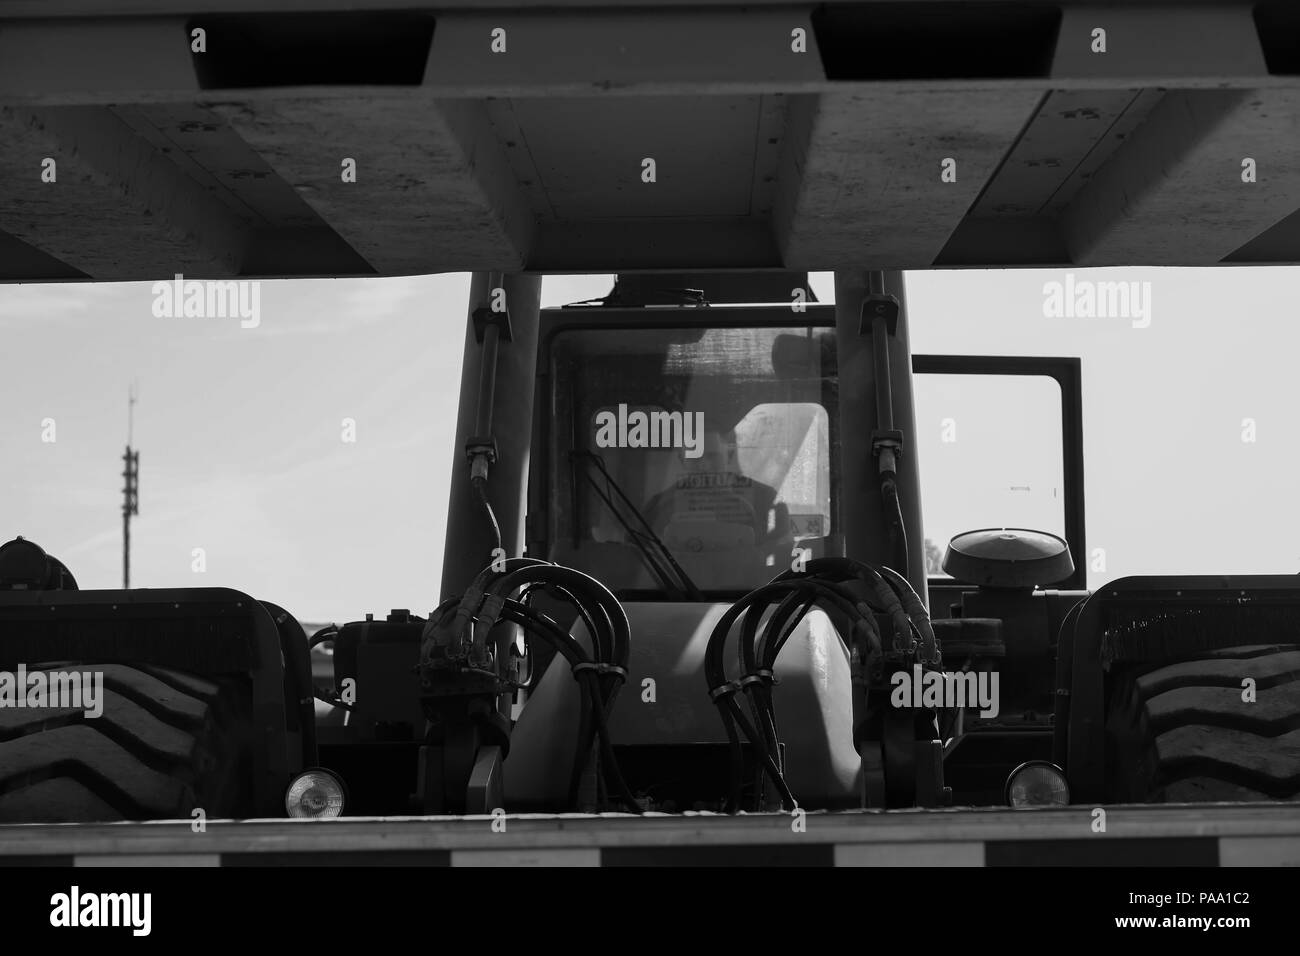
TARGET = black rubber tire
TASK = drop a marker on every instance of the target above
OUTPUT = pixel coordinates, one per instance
(1181, 733)
(167, 743)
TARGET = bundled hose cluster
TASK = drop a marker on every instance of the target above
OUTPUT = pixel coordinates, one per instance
(460, 657)
(850, 591)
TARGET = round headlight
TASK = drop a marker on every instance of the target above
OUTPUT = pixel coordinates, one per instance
(1037, 783)
(316, 794)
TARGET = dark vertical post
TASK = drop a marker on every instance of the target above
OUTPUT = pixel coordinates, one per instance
(862, 511)
(511, 395)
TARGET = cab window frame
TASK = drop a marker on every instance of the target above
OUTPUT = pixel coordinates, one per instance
(1067, 372)
(557, 321)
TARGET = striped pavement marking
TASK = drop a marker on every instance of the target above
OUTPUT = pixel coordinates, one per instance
(1188, 851)
(1159, 835)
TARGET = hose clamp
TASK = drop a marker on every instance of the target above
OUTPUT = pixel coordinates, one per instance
(724, 690)
(601, 668)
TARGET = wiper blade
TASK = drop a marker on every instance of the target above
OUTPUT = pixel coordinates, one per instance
(675, 589)
(686, 588)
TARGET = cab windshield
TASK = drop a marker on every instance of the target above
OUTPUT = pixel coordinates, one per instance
(715, 446)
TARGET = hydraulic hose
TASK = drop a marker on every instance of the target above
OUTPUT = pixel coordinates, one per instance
(917, 611)
(588, 674)
(497, 594)
(722, 691)
(894, 515)
(480, 486)
(613, 627)
(856, 589)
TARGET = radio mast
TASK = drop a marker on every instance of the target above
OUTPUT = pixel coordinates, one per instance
(130, 490)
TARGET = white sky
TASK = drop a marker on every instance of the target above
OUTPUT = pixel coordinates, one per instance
(240, 450)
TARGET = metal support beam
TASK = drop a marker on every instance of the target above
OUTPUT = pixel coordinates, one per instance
(1184, 165)
(862, 177)
(1158, 46)
(697, 50)
(432, 191)
(861, 509)
(513, 135)
(468, 546)
(95, 60)
(117, 207)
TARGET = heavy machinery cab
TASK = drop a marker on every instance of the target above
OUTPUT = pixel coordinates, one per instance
(687, 453)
